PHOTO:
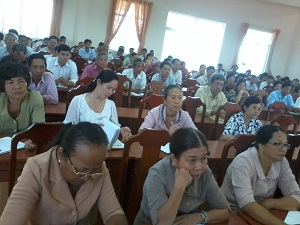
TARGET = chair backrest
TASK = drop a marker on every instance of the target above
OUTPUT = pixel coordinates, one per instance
(80, 63)
(72, 93)
(117, 62)
(40, 134)
(277, 109)
(149, 103)
(263, 95)
(151, 142)
(154, 87)
(294, 141)
(74, 55)
(285, 121)
(190, 104)
(111, 66)
(118, 96)
(85, 81)
(230, 109)
(190, 82)
(235, 144)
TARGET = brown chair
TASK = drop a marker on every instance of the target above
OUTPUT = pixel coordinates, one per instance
(149, 103)
(151, 142)
(72, 93)
(230, 109)
(285, 121)
(192, 91)
(111, 66)
(235, 144)
(118, 62)
(80, 63)
(118, 96)
(44, 53)
(190, 82)
(277, 108)
(85, 81)
(154, 87)
(263, 95)
(294, 141)
(190, 104)
(40, 134)
(74, 55)
(120, 70)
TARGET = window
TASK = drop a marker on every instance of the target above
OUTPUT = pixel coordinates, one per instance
(254, 51)
(194, 40)
(126, 36)
(29, 17)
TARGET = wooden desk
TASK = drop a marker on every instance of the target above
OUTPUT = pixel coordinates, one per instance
(62, 94)
(55, 113)
(280, 214)
(233, 220)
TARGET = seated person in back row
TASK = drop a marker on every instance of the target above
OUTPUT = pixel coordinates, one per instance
(136, 75)
(18, 55)
(169, 116)
(164, 74)
(63, 69)
(212, 95)
(254, 175)
(244, 122)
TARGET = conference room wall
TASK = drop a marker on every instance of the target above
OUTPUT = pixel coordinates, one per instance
(88, 19)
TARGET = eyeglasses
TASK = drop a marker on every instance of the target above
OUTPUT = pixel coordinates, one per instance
(278, 145)
(83, 175)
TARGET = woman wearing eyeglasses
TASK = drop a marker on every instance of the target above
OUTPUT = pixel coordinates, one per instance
(244, 122)
(254, 175)
(61, 185)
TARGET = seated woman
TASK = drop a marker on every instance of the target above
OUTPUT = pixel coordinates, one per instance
(61, 185)
(254, 175)
(169, 116)
(239, 94)
(244, 122)
(19, 106)
(41, 80)
(229, 81)
(177, 186)
(94, 105)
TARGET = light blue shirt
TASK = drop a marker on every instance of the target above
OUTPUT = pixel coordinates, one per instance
(170, 80)
(276, 96)
(90, 55)
(3, 52)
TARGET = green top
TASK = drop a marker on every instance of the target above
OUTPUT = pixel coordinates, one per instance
(32, 110)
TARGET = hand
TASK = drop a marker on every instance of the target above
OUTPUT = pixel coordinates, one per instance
(29, 145)
(222, 113)
(183, 178)
(45, 100)
(126, 133)
(63, 81)
(172, 129)
(188, 219)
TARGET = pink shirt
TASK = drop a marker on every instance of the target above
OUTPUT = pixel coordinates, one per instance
(92, 71)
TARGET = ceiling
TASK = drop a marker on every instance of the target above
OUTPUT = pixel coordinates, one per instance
(294, 3)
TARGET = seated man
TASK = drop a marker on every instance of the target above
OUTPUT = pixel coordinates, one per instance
(86, 52)
(164, 74)
(53, 40)
(251, 84)
(212, 95)
(93, 70)
(268, 82)
(41, 80)
(282, 95)
(24, 41)
(10, 40)
(18, 55)
(176, 72)
(136, 75)
(196, 74)
(64, 70)
(128, 61)
(203, 80)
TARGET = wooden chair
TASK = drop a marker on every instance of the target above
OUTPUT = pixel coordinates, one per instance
(151, 142)
(230, 109)
(40, 134)
(85, 81)
(263, 95)
(72, 93)
(118, 62)
(190, 104)
(149, 103)
(235, 144)
(44, 53)
(80, 63)
(285, 121)
(190, 82)
(294, 141)
(118, 96)
(74, 55)
(111, 66)
(149, 76)
(277, 109)
(154, 87)
(120, 70)
(192, 91)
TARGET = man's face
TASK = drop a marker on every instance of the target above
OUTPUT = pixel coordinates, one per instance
(131, 50)
(202, 69)
(102, 61)
(138, 67)
(10, 41)
(210, 72)
(87, 45)
(23, 41)
(286, 90)
(63, 57)
(52, 43)
(216, 87)
(80, 45)
(144, 52)
(152, 53)
(165, 71)
(176, 66)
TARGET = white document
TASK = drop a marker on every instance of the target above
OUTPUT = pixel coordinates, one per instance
(137, 94)
(293, 217)
(118, 145)
(112, 131)
(5, 144)
(166, 148)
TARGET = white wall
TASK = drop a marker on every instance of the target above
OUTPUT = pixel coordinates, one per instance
(88, 19)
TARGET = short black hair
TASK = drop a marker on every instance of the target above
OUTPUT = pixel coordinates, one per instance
(19, 48)
(36, 56)
(210, 68)
(63, 47)
(174, 60)
(251, 100)
(215, 77)
(86, 41)
(53, 37)
(168, 88)
(137, 60)
(164, 63)
(286, 84)
(265, 134)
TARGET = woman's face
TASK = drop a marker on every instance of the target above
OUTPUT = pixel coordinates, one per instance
(105, 90)
(241, 86)
(275, 150)
(253, 110)
(37, 68)
(194, 160)
(230, 80)
(16, 88)
(174, 100)
(277, 87)
(87, 158)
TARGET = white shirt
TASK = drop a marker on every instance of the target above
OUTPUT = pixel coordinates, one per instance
(139, 82)
(250, 87)
(177, 76)
(202, 80)
(263, 85)
(297, 103)
(67, 71)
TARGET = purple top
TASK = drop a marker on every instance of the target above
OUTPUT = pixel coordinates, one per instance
(156, 119)
(92, 71)
(47, 88)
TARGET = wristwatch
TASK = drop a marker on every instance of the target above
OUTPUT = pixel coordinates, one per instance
(204, 218)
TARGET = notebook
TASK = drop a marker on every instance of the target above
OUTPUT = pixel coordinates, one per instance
(5, 144)
(112, 131)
